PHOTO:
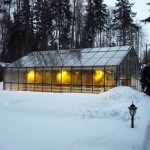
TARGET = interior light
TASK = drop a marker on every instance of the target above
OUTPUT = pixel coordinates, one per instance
(30, 76)
(98, 75)
(63, 76)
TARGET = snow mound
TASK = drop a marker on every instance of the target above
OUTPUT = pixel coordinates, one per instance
(123, 93)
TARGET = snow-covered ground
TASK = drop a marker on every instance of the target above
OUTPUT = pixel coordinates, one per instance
(67, 121)
(1, 86)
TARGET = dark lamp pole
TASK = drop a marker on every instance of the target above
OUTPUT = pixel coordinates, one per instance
(132, 111)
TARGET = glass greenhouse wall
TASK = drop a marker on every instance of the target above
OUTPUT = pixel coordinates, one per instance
(79, 71)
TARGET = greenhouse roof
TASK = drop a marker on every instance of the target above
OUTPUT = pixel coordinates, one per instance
(106, 56)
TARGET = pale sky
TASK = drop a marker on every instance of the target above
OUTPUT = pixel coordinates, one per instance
(142, 12)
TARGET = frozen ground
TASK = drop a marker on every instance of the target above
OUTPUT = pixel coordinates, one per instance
(52, 121)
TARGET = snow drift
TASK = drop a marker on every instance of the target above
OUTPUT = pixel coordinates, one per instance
(69, 121)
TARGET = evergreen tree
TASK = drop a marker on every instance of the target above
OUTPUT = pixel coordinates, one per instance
(77, 22)
(89, 28)
(42, 24)
(19, 40)
(16, 39)
(145, 79)
(73, 24)
(123, 19)
(110, 33)
(61, 22)
(6, 23)
(100, 16)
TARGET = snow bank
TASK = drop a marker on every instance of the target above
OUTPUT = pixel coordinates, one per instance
(1, 85)
(68, 121)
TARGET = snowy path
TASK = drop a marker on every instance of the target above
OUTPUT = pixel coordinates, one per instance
(146, 145)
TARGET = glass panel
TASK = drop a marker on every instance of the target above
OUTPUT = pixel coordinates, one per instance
(47, 76)
(47, 80)
(124, 48)
(98, 76)
(91, 62)
(76, 80)
(30, 78)
(109, 78)
(30, 75)
(38, 79)
(38, 75)
(64, 76)
(87, 78)
(28, 63)
(127, 70)
(65, 80)
(76, 76)
(75, 53)
(114, 61)
(55, 60)
(7, 75)
(88, 55)
(95, 49)
(14, 87)
(81, 55)
(102, 61)
(56, 76)
(98, 55)
(22, 79)
(66, 56)
(98, 80)
(120, 54)
(116, 48)
(104, 49)
(22, 75)
(30, 86)
(56, 79)
(109, 54)
(7, 86)
(70, 62)
(15, 75)
(81, 62)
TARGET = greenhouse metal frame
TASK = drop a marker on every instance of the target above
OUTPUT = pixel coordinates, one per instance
(86, 71)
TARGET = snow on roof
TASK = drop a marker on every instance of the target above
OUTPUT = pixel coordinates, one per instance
(106, 56)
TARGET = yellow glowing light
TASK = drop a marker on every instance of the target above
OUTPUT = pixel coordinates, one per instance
(98, 75)
(30, 76)
(63, 76)
(77, 72)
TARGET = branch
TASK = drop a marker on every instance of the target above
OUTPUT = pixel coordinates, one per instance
(146, 20)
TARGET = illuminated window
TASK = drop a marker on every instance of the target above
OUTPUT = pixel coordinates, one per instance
(38, 77)
(76, 77)
(30, 77)
(64, 76)
(98, 77)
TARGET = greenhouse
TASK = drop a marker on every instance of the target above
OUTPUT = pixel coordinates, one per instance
(90, 70)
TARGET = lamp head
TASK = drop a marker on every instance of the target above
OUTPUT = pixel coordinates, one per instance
(132, 109)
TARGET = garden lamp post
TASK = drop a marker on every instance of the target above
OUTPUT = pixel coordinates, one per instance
(132, 111)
